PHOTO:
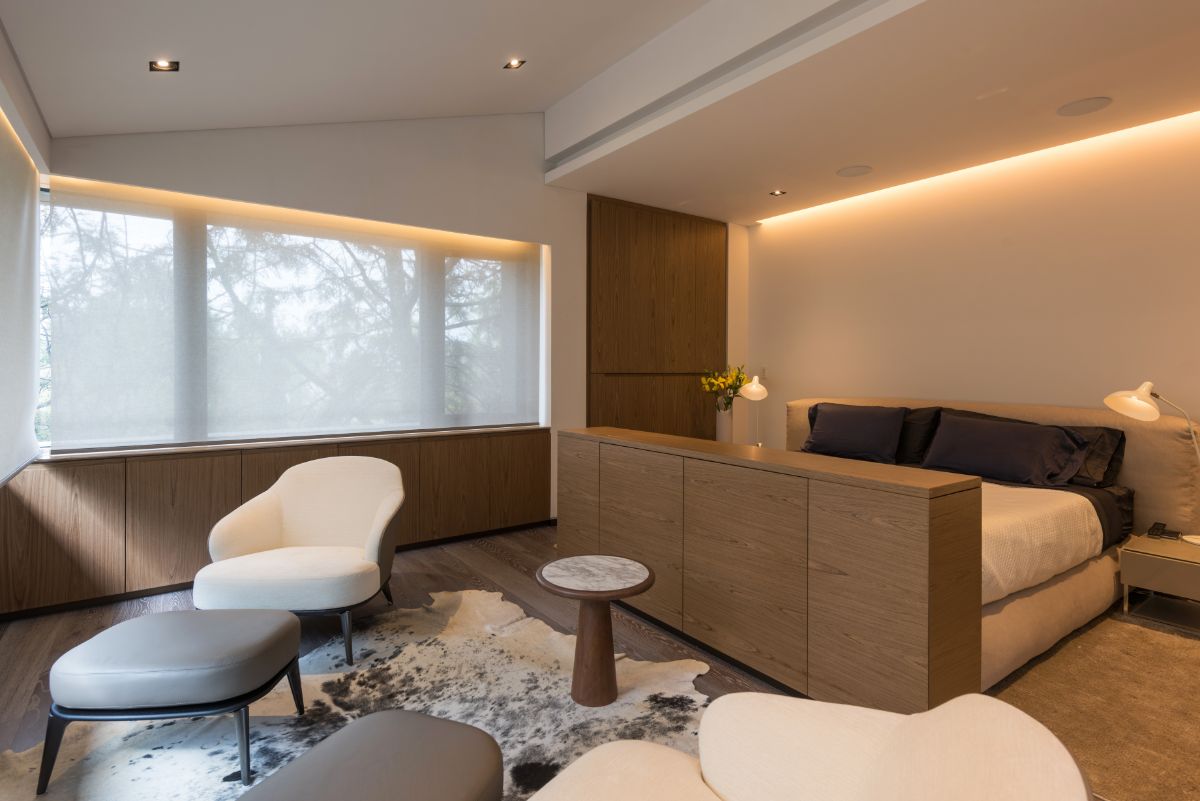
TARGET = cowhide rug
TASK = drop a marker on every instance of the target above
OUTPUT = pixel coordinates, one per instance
(469, 656)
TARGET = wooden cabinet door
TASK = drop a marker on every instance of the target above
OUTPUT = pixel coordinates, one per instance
(518, 478)
(745, 586)
(455, 486)
(641, 517)
(62, 534)
(172, 503)
(405, 454)
(578, 496)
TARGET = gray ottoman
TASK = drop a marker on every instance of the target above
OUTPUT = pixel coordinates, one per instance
(392, 755)
(175, 665)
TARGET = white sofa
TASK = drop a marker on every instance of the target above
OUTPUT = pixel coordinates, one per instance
(758, 747)
(316, 542)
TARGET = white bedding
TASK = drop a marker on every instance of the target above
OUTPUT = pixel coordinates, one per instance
(1032, 534)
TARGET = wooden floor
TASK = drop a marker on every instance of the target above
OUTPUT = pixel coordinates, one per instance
(503, 563)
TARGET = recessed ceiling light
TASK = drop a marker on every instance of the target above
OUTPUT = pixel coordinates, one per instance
(514, 64)
(1087, 105)
(163, 65)
(854, 170)
(777, 192)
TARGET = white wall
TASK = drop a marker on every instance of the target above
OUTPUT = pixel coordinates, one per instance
(1054, 277)
(477, 175)
(18, 105)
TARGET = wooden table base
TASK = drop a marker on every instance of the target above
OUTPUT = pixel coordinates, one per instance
(594, 679)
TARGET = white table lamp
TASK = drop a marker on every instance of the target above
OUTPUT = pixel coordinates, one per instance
(754, 391)
(1141, 404)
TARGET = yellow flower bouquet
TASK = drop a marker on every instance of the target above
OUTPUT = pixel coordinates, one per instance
(724, 384)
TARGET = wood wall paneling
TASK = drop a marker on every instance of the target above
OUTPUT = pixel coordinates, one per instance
(578, 496)
(745, 587)
(455, 495)
(172, 503)
(62, 534)
(261, 467)
(518, 478)
(868, 637)
(664, 404)
(657, 316)
(406, 455)
(641, 517)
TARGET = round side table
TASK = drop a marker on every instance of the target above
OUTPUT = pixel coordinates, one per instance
(594, 581)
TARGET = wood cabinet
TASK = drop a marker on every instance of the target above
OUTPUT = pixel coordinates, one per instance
(656, 316)
(87, 529)
(746, 550)
(578, 497)
(172, 503)
(848, 581)
(62, 534)
(641, 517)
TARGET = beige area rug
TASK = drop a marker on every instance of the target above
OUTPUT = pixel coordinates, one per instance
(468, 656)
(1124, 695)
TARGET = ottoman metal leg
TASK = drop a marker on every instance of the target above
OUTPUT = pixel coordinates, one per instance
(241, 720)
(345, 616)
(387, 592)
(293, 676)
(55, 727)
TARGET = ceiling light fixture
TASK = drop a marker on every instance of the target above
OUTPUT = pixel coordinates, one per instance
(514, 64)
(163, 65)
(1087, 105)
(777, 192)
(854, 170)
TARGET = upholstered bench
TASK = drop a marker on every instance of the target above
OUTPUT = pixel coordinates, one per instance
(175, 665)
(390, 755)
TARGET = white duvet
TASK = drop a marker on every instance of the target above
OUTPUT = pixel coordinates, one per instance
(1032, 534)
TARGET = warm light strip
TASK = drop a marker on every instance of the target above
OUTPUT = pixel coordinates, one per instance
(1075, 148)
(164, 199)
(17, 138)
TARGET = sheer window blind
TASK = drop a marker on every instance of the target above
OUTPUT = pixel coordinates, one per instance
(18, 303)
(180, 319)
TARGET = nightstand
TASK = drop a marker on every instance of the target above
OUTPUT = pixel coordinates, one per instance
(1170, 566)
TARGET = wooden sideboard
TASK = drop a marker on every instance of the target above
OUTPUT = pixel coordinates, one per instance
(75, 530)
(846, 581)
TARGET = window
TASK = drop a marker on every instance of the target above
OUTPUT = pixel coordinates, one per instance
(171, 319)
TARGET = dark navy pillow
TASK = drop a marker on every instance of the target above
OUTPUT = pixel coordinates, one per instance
(870, 433)
(1006, 450)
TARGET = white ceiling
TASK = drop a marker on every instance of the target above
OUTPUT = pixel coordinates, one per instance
(284, 62)
(945, 85)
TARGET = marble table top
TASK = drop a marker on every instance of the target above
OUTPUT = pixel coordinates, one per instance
(595, 573)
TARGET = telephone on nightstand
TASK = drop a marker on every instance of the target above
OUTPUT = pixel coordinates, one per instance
(1159, 531)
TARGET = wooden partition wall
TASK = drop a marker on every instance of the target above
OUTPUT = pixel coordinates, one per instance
(656, 316)
(848, 581)
(91, 528)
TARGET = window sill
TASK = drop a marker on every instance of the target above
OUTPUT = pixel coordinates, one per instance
(47, 455)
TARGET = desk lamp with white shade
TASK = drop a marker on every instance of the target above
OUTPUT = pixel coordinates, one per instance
(1140, 404)
(754, 391)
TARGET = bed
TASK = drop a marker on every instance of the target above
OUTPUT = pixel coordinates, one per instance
(1049, 558)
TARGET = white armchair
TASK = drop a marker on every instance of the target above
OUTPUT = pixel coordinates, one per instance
(758, 747)
(316, 542)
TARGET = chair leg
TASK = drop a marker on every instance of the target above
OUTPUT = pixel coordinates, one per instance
(345, 616)
(387, 592)
(293, 677)
(55, 727)
(241, 720)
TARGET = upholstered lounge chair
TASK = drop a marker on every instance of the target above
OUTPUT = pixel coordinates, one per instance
(316, 542)
(757, 747)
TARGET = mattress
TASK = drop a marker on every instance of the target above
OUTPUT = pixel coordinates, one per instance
(1032, 534)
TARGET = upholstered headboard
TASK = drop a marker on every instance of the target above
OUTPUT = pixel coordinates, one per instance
(1159, 465)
